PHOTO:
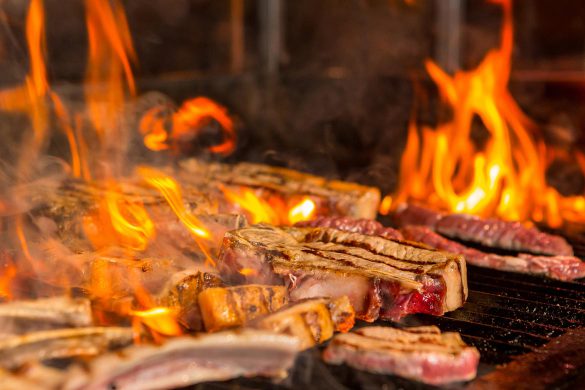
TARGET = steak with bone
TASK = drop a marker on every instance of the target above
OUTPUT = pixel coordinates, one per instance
(311, 321)
(186, 361)
(359, 225)
(21, 316)
(332, 197)
(490, 232)
(556, 267)
(421, 353)
(61, 343)
(381, 277)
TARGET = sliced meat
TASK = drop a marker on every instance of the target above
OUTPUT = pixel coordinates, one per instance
(186, 361)
(332, 197)
(354, 225)
(490, 232)
(20, 317)
(61, 343)
(388, 277)
(227, 307)
(422, 353)
(311, 321)
(556, 267)
(181, 294)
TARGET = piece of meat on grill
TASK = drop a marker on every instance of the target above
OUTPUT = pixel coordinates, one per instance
(227, 307)
(421, 353)
(311, 321)
(181, 294)
(332, 197)
(20, 317)
(61, 343)
(186, 361)
(556, 267)
(381, 277)
(354, 225)
(490, 232)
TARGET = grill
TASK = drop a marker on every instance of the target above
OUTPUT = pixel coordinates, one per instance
(506, 315)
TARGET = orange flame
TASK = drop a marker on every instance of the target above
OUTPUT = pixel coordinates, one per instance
(444, 167)
(259, 209)
(7, 275)
(110, 55)
(248, 272)
(30, 97)
(119, 222)
(171, 191)
(193, 115)
(303, 211)
(160, 319)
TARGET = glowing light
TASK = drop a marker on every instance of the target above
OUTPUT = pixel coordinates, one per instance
(191, 117)
(303, 211)
(259, 209)
(160, 319)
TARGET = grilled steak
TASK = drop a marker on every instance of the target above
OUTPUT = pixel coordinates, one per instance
(185, 361)
(332, 197)
(61, 343)
(311, 321)
(423, 353)
(234, 306)
(20, 317)
(381, 277)
(348, 224)
(181, 294)
(556, 267)
(489, 232)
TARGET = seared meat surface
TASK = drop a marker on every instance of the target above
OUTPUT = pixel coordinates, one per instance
(382, 277)
(422, 353)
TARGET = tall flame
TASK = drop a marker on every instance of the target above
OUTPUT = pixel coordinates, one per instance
(171, 191)
(506, 177)
(109, 64)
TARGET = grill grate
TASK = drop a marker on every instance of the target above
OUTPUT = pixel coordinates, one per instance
(506, 315)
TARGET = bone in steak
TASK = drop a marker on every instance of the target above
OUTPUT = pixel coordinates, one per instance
(354, 225)
(61, 343)
(186, 361)
(422, 353)
(556, 267)
(381, 277)
(311, 321)
(489, 232)
(21, 316)
(226, 307)
(332, 197)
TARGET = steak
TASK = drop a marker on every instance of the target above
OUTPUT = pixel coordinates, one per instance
(556, 267)
(181, 294)
(422, 353)
(359, 225)
(311, 321)
(20, 317)
(186, 361)
(227, 307)
(490, 232)
(380, 276)
(332, 197)
(61, 343)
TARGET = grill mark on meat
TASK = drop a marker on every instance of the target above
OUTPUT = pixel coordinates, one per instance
(319, 253)
(373, 260)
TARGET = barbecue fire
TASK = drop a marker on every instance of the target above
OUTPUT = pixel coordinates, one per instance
(445, 167)
(141, 249)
